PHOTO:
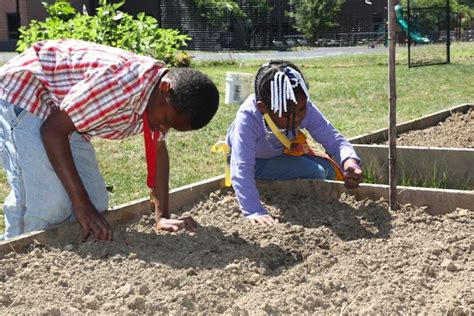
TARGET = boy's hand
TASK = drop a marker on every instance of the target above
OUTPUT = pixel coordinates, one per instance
(267, 220)
(93, 222)
(174, 225)
(352, 174)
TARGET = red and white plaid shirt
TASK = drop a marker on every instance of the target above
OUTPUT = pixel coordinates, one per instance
(104, 90)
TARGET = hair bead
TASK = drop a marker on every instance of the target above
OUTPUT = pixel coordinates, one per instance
(282, 89)
(275, 85)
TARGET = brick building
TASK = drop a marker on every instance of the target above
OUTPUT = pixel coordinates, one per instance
(355, 17)
(14, 13)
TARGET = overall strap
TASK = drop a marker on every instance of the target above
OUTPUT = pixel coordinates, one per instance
(300, 146)
(151, 140)
(281, 137)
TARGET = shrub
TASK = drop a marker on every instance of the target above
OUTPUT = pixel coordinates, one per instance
(315, 17)
(109, 26)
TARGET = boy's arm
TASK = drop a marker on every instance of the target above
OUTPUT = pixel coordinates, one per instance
(161, 194)
(55, 133)
(161, 190)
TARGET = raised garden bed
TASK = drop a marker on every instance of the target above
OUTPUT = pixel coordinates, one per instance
(435, 150)
(334, 252)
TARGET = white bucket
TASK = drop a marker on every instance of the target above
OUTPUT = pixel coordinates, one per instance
(238, 86)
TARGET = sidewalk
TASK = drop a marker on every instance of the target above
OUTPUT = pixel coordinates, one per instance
(5, 56)
(300, 53)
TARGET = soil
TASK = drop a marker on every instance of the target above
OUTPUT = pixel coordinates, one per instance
(457, 131)
(342, 257)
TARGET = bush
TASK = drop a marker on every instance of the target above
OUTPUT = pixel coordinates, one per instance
(315, 17)
(109, 26)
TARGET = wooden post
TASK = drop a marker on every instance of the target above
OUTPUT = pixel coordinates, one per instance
(392, 117)
(448, 32)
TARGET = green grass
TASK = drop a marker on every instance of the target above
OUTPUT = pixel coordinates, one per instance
(436, 180)
(350, 90)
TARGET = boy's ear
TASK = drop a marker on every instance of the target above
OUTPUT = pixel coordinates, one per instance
(262, 107)
(164, 86)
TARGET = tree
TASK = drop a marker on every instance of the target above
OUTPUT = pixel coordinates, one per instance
(314, 17)
(463, 7)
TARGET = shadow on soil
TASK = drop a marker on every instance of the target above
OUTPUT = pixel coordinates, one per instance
(349, 220)
(273, 249)
(206, 248)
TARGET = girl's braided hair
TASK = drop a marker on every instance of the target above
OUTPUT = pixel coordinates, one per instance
(278, 82)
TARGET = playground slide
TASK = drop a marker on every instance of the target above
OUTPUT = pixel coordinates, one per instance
(414, 36)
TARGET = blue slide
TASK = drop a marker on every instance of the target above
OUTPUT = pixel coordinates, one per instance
(414, 36)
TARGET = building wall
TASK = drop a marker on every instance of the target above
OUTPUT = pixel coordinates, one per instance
(29, 10)
(357, 16)
(151, 8)
(6, 6)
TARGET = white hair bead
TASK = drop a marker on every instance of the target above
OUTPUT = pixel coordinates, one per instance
(282, 89)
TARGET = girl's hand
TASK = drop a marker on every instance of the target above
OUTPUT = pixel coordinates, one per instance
(267, 220)
(174, 225)
(352, 174)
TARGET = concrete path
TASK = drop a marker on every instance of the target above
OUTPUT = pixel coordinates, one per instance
(300, 53)
(5, 56)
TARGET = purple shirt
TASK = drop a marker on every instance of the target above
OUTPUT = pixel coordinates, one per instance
(248, 140)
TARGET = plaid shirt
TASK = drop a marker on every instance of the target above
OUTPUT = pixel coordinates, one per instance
(104, 90)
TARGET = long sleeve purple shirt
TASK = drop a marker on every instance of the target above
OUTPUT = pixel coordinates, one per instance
(248, 141)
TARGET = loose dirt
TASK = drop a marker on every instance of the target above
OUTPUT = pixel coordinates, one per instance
(457, 131)
(347, 256)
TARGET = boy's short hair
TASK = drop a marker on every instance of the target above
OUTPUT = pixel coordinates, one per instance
(193, 94)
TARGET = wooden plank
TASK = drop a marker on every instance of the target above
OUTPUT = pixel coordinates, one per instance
(121, 214)
(438, 201)
(452, 165)
(429, 120)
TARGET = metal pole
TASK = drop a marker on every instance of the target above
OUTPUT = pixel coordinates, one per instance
(392, 129)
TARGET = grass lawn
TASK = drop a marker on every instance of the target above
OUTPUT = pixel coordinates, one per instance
(351, 91)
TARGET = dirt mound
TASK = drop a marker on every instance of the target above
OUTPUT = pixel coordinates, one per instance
(456, 131)
(342, 257)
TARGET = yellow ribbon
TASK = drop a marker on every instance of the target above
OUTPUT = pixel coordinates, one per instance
(276, 131)
(301, 139)
(223, 147)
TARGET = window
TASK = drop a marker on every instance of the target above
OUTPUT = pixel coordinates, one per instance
(13, 23)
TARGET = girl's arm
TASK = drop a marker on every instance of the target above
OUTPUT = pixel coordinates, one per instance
(336, 145)
(324, 133)
(242, 165)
